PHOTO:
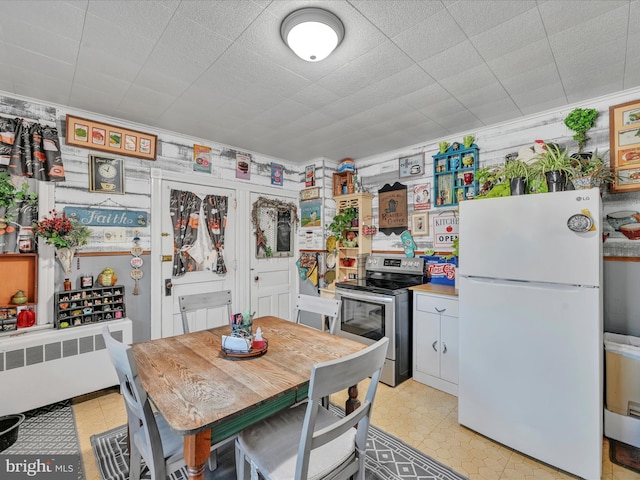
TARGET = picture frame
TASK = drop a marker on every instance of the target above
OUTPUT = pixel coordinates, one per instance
(419, 224)
(624, 154)
(85, 133)
(411, 166)
(106, 175)
(310, 193)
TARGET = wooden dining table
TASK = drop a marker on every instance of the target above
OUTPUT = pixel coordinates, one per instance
(208, 396)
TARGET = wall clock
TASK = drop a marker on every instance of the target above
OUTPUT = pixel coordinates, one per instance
(106, 175)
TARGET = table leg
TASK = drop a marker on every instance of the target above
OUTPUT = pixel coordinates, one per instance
(196, 453)
(352, 402)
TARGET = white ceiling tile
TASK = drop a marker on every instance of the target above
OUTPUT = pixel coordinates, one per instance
(228, 19)
(453, 61)
(483, 15)
(103, 61)
(508, 36)
(495, 111)
(315, 96)
(90, 78)
(473, 78)
(30, 60)
(64, 18)
(393, 17)
(526, 60)
(147, 18)
(205, 45)
(556, 13)
(43, 41)
(430, 37)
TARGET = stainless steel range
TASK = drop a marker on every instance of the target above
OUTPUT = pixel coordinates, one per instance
(378, 306)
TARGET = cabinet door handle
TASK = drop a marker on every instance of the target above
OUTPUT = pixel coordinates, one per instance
(440, 311)
(433, 345)
(444, 350)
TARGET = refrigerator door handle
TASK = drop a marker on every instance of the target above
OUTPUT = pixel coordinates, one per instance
(440, 311)
(433, 345)
(541, 285)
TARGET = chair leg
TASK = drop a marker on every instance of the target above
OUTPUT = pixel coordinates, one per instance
(240, 461)
(134, 463)
(213, 460)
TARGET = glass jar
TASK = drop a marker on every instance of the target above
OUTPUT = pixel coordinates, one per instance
(26, 240)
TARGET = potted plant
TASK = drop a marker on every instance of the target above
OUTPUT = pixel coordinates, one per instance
(63, 234)
(342, 221)
(592, 171)
(581, 120)
(554, 165)
(491, 183)
(516, 172)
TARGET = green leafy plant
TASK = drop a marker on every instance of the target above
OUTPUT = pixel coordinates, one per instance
(491, 183)
(516, 169)
(554, 158)
(581, 120)
(594, 168)
(342, 221)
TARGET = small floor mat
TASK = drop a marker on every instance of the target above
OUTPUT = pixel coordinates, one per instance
(624, 455)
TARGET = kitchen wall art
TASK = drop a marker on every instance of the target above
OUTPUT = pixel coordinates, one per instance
(445, 227)
(419, 224)
(85, 133)
(624, 131)
(392, 208)
(422, 196)
(412, 166)
(277, 174)
(201, 159)
(106, 175)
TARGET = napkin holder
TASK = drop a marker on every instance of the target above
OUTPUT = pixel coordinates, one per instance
(237, 344)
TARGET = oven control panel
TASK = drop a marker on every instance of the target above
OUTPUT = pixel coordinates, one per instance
(395, 264)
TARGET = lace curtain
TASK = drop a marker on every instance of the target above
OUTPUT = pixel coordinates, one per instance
(31, 150)
(198, 232)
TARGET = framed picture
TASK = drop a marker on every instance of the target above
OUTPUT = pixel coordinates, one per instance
(412, 166)
(310, 193)
(392, 209)
(624, 132)
(85, 133)
(419, 224)
(310, 176)
(277, 174)
(311, 213)
(106, 175)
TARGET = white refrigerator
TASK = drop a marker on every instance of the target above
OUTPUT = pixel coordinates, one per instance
(531, 351)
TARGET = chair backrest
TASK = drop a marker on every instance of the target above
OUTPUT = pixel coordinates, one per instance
(141, 421)
(331, 377)
(198, 301)
(323, 306)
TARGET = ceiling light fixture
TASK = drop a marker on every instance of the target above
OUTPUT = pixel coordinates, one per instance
(312, 33)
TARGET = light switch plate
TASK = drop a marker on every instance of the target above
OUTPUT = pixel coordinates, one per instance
(115, 235)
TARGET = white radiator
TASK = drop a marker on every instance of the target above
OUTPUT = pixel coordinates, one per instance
(47, 366)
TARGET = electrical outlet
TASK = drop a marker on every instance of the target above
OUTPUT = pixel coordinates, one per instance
(115, 235)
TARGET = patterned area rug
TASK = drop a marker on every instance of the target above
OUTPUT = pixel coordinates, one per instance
(387, 459)
(49, 430)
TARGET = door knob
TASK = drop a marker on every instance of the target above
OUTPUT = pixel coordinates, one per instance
(167, 287)
(256, 278)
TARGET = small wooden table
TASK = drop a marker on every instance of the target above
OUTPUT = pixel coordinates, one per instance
(202, 393)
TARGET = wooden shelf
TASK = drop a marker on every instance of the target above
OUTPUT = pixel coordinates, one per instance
(19, 272)
(362, 202)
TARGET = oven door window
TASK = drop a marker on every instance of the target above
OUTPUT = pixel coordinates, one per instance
(363, 318)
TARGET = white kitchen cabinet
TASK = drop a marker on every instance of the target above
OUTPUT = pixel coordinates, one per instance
(435, 341)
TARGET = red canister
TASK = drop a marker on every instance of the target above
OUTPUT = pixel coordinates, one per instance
(26, 318)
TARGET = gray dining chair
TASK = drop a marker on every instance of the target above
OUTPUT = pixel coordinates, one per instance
(325, 307)
(199, 301)
(150, 437)
(308, 441)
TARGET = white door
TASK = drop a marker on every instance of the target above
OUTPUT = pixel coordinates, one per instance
(273, 280)
(197, 281)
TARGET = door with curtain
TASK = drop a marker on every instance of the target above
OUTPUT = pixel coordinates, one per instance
(198, 248)
(273, 286)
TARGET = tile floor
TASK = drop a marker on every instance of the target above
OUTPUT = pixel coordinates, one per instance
(419, 415)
